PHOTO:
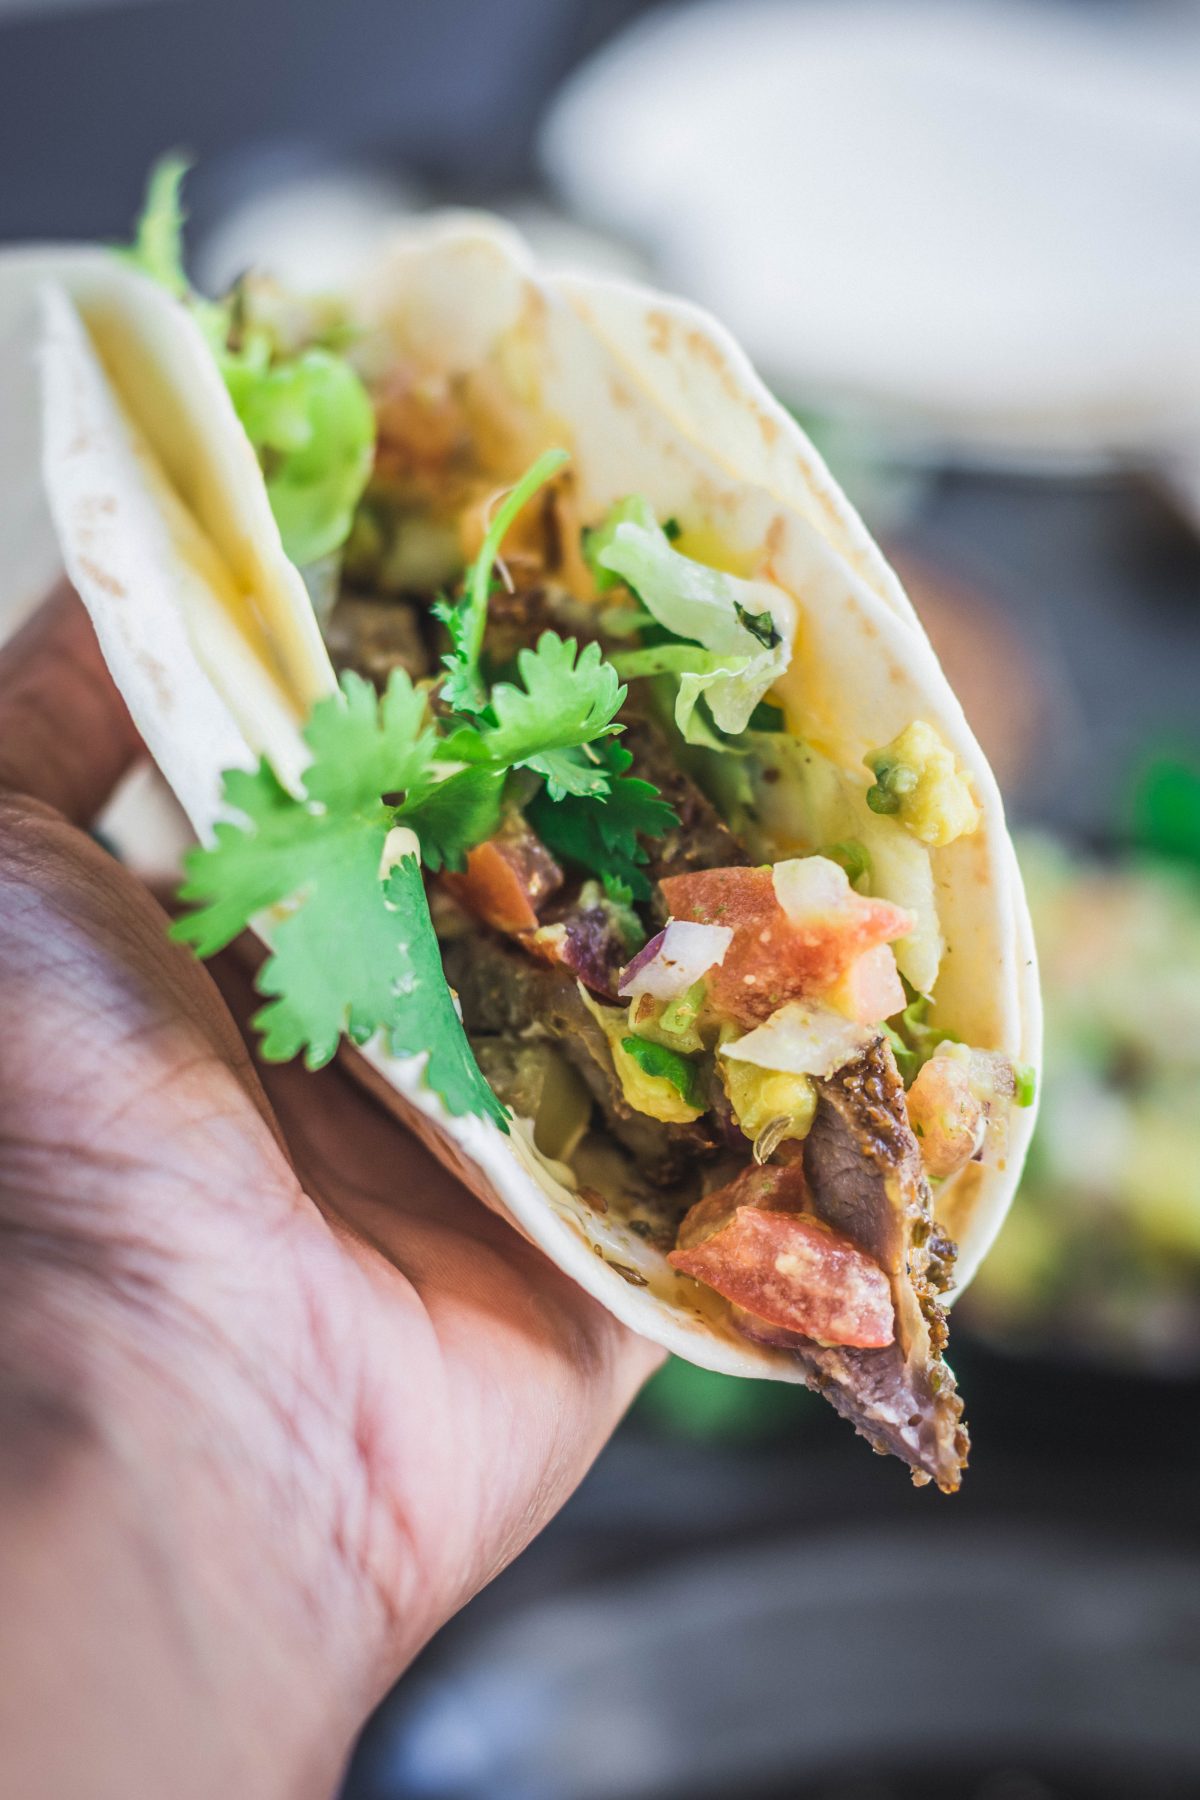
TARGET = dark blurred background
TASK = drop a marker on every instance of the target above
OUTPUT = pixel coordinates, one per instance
(963, 242)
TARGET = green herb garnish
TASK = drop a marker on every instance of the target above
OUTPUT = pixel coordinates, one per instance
(760, 625)
(354, 948)
(552, 721)
(466, 621)
(355, 952)
(600, 833)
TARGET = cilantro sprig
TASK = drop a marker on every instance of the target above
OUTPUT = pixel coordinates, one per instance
(463, 686)
(354, 949)
(601, 833)
(553, 722)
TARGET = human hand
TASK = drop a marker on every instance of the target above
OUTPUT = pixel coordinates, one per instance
(276, 1394)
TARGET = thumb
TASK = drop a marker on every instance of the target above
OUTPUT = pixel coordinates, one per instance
(65, 736)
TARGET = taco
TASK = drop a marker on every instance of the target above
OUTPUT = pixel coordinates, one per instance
(537, 696)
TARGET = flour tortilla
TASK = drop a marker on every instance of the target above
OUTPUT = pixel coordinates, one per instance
(166, 531)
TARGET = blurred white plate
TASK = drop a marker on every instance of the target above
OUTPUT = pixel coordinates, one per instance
(982, 223)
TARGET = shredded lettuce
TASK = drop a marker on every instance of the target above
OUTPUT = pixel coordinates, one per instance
(738, 634)
(597, 539)
(313, 430)
(157, 248)
(696, 674)
(306, 412)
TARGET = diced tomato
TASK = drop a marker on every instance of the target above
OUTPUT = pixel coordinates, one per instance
(787, 1269)
(775, 957)
(507, 879)
(870, 989)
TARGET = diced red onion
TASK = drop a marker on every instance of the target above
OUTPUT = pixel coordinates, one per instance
(645, 955)
(675, 960)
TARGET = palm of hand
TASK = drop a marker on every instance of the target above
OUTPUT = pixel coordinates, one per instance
(376, 1374)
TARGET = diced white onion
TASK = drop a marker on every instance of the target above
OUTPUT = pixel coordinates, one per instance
(687, 952)
(805, 885)
(802, 1040)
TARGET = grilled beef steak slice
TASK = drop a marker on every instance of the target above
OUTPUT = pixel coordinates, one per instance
(373, 637)
(864, 1171)
(517, 619)
(503, 992)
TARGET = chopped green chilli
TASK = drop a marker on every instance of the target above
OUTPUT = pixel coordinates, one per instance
(657, 1060)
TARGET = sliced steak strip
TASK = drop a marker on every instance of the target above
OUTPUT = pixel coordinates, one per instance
(373, 637)
(864, 1171)
(517, 620)
(504, 993)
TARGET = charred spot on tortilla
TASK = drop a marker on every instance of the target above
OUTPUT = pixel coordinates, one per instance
(102, 578)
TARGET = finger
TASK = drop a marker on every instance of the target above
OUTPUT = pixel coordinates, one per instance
(65, 736)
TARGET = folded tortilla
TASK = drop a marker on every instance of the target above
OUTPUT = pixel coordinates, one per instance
(167, 533)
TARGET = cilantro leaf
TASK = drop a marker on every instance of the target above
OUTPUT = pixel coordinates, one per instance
(453, 816)
(618, 891)
(355, 951)
(564, 703)
(463, 687)
(656, 1059)
(364, 746)
(243, 871)
(601, 834)
(572, 772)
